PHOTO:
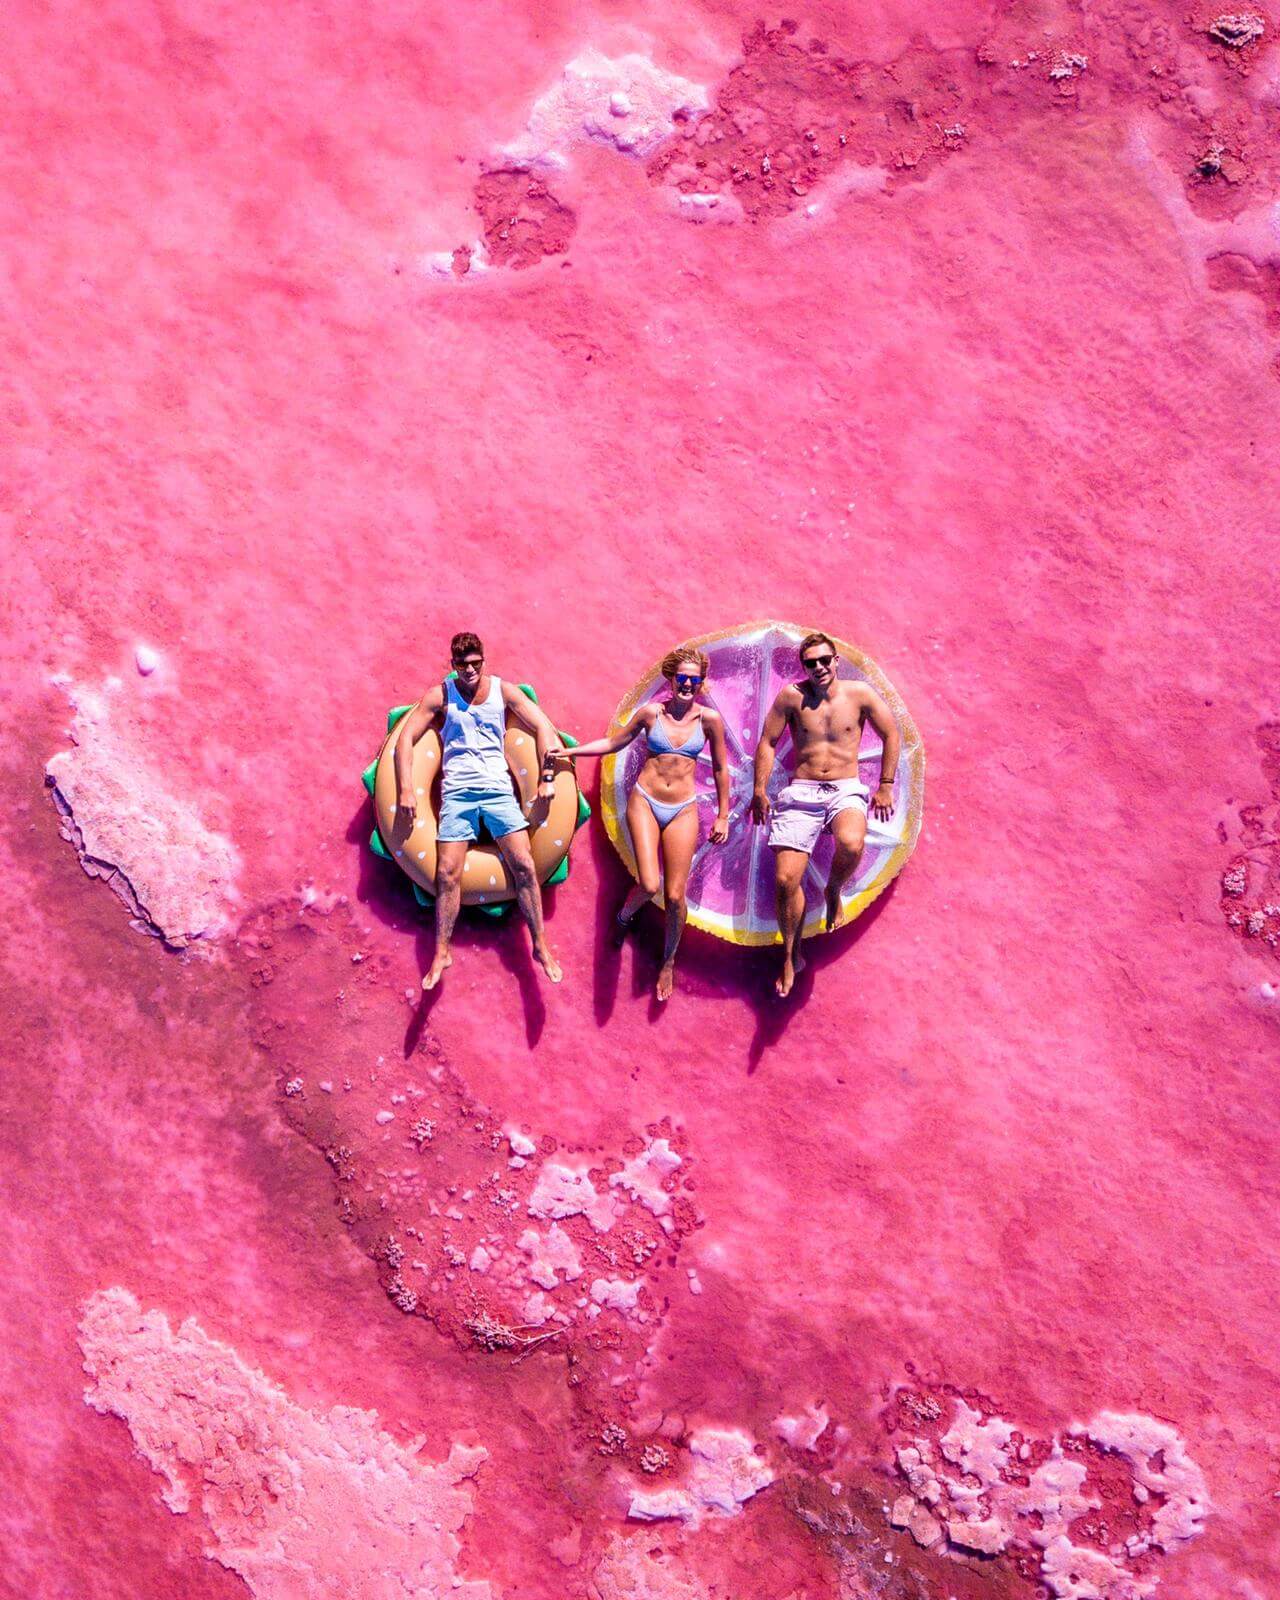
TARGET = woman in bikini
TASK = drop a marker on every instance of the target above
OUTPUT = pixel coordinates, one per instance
(662, 811)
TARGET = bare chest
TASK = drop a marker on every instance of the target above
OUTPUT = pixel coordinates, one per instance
(837, 723)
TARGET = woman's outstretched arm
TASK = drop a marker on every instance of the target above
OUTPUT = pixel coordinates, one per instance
(607, 746)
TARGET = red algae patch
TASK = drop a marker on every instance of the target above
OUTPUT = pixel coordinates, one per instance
(175, 874)
(296, 1503)
(522, 221)
(1250, 896)
(795, 110)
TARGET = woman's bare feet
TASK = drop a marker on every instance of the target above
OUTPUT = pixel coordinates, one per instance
(443, 959)
(666, 981)
(542, 955)
(792, 967)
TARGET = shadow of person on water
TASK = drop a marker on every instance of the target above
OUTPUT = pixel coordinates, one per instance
(388, 895)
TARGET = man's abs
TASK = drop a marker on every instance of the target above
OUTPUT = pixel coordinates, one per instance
(826, 764)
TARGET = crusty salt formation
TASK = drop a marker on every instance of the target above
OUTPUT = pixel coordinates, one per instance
(724, 1471)
(984, 1486)
(132, 825)
(295, 1502)
(629, 103)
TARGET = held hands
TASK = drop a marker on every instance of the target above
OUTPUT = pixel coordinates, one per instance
(882, 803)
(759, 807)
(719, 830)
(552, 756)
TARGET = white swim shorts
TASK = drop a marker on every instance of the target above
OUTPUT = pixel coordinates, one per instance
(805, 809)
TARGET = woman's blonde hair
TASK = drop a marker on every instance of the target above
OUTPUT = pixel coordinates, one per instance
(671, 662)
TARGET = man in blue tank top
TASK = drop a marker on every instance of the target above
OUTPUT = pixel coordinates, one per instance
(469, 712)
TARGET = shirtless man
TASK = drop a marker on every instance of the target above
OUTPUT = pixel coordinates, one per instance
(469, 711)
(825, 716)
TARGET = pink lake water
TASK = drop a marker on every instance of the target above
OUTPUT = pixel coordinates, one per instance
(954, 330)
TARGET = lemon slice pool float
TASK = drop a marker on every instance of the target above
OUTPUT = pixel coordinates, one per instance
(731, 886)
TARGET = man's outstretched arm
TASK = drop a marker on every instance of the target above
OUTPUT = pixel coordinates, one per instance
(530, 713)
(766, 755)
(411, 730)
(882, 721)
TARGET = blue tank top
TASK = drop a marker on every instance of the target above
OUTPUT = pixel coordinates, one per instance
(659, 741)
(473, 739)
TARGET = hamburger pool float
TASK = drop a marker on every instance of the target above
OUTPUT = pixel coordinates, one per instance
(554, 814)
(731, 886)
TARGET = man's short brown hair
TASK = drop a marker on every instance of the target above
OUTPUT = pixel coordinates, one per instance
(465, 644)
(671, 662)
(810, 639)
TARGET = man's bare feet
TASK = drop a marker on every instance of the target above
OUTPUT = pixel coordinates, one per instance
(833, 908)
(792, 967)
(443, 959)
(666, 981)
(548, 963)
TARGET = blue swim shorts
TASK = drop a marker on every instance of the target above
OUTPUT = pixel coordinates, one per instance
(463, 810)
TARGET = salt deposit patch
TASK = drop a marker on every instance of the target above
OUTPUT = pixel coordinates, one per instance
(633, 1569)
(709, 207)
(128, 827)
(1161, 1468)
(628, 103)
(970, 1489)
(725, 1470)
(296, 1502)
(1074, 1572)
(620, 1294)
(466, 261)
(551, 1253)
(802, 1431)
(642, 1177)
(568, 1192)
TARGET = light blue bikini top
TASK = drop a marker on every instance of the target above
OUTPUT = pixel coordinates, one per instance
(660, 744)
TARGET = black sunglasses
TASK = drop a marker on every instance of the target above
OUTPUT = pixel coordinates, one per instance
(816, 661)
(468, 661)
(686, 678)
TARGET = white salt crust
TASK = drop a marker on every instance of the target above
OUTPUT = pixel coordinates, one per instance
(724, 1471)
(959, 1498)
(295, 1502)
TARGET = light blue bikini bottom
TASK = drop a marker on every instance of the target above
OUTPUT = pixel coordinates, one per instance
(662, 811)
